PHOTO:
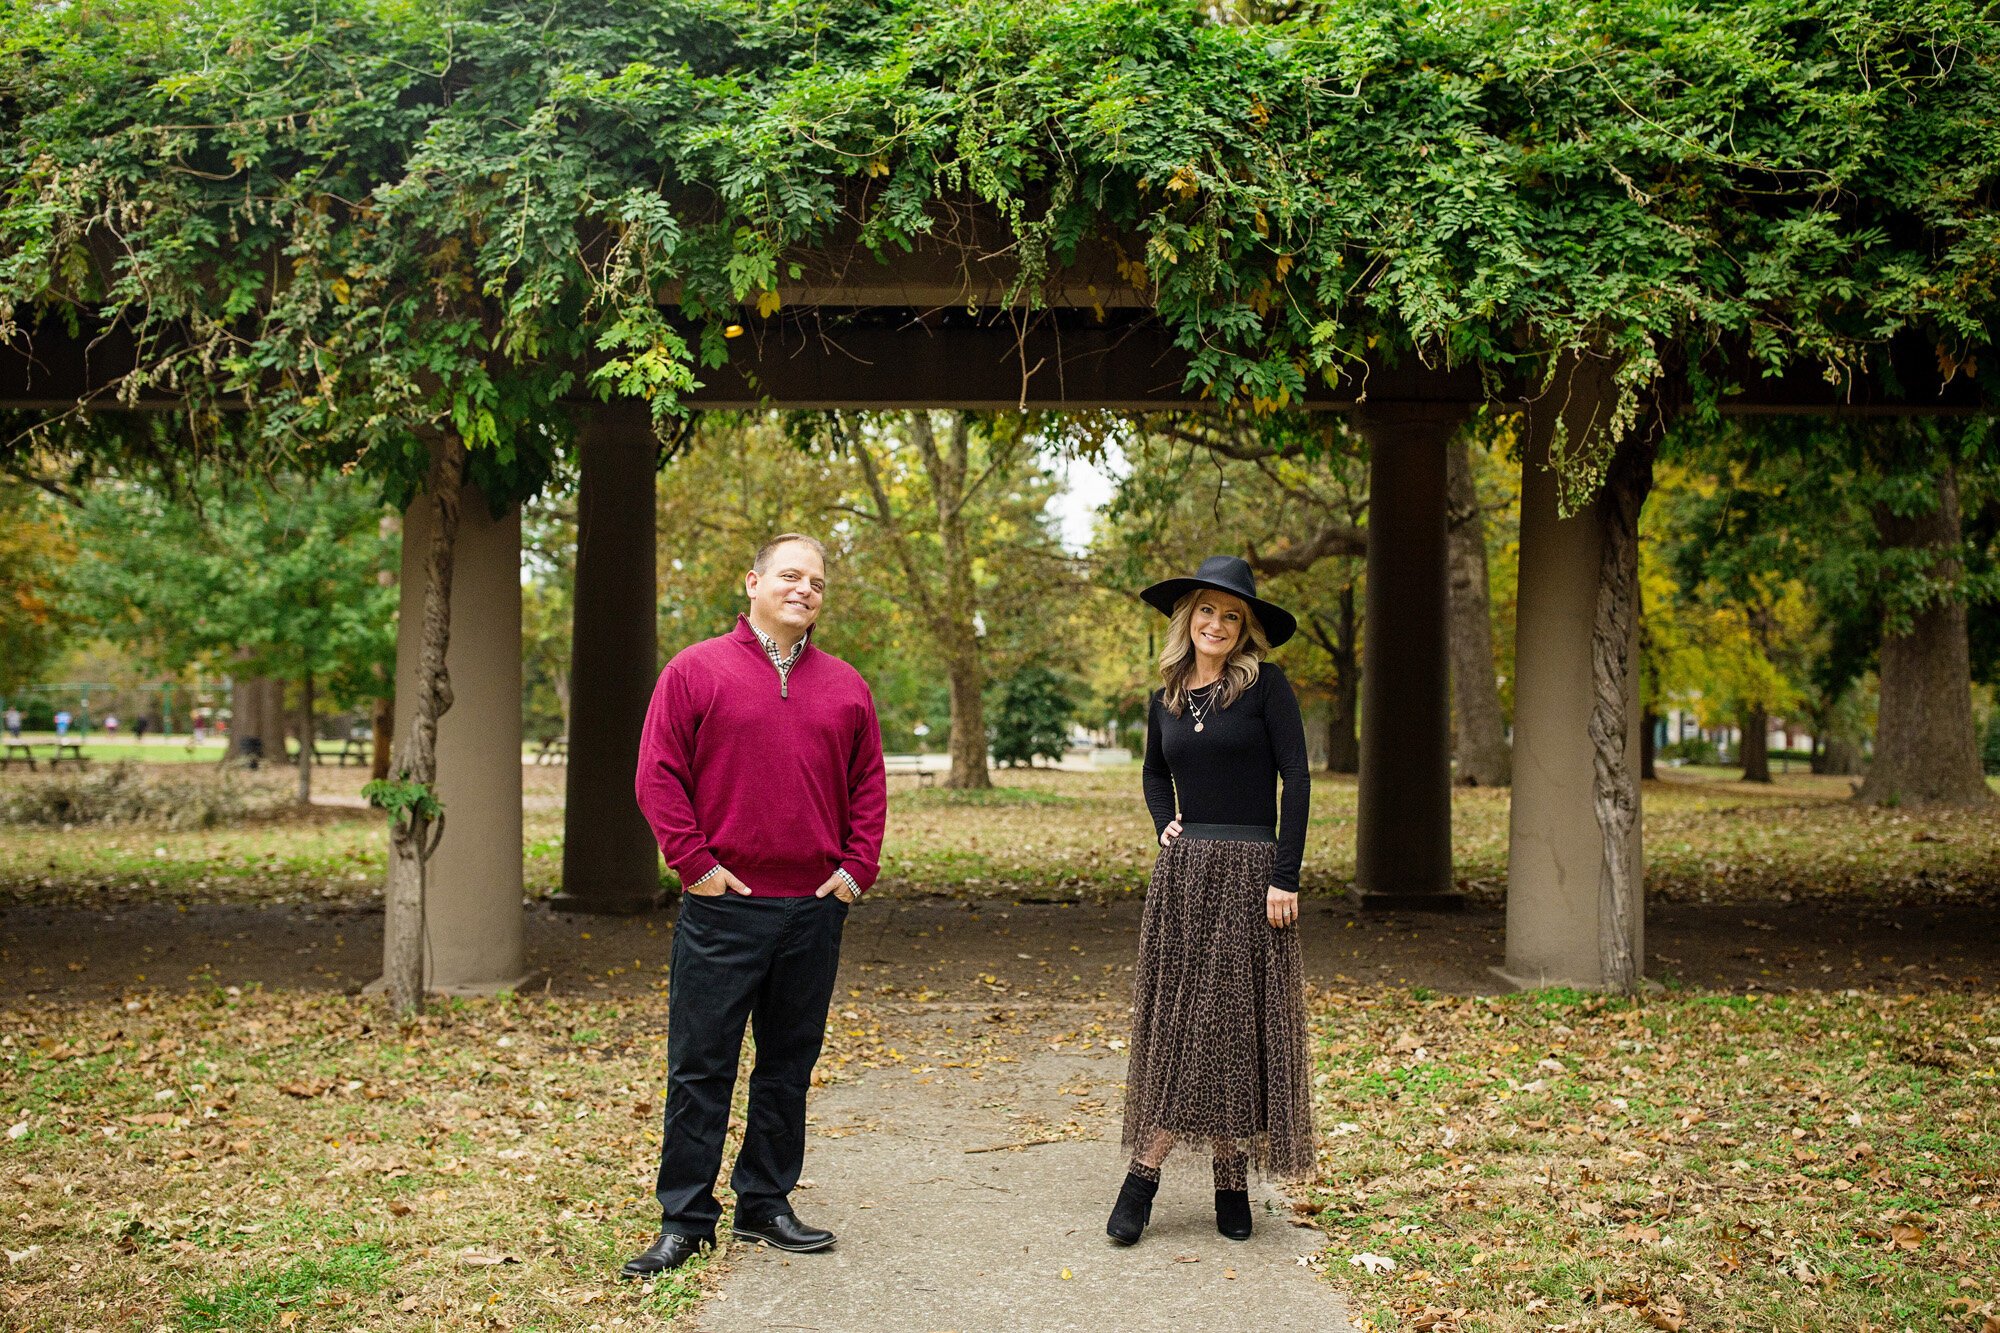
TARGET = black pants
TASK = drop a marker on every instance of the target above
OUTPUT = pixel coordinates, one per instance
(770, 961)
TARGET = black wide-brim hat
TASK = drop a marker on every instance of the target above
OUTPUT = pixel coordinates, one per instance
(1230, 574)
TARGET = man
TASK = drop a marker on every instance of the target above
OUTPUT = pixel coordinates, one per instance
(13, 722)
(760, 770)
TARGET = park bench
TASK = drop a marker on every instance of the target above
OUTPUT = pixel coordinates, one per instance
(339, 753)
(554, 750)
(20, 750)
(321, 752)
(912, 764)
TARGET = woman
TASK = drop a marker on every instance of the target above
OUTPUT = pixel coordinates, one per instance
(1218, 1006)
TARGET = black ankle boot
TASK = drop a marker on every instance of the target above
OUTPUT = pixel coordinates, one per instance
(1232, 1213)
(1133, 1210)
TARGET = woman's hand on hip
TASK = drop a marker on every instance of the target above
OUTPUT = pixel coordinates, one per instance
(1170, 832)
(1282, 908)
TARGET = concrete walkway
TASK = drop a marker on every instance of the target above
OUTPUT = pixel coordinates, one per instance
(935, 1237)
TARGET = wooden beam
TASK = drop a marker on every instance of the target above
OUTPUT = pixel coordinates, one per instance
(888, 358)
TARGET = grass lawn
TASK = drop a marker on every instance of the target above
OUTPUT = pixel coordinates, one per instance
(1535, 1162)
(1060, 834)
(103, 749)
(1788, 1164)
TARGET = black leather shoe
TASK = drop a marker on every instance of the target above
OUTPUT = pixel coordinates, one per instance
(664, 1255)
(785, 1232)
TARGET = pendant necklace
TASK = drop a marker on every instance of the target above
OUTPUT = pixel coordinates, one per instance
(1199, 710)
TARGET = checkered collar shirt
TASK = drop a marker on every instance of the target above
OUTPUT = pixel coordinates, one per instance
(783, 661)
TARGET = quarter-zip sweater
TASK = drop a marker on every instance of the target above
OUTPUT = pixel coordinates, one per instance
(779, 782)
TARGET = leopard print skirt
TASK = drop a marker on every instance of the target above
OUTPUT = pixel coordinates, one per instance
(1219, 1062)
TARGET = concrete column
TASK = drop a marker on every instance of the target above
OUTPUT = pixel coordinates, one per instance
(473, 917)
(611, 862)
(1556, 849)
(1403, 840)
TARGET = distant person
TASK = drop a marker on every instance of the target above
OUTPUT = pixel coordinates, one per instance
(111, 723)
(200, 731)
(140, 727)
(62, 724)
(760, 770)
(13, 723)
(1219, 1060)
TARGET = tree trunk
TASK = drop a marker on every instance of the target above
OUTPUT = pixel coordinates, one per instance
(306, 738)
(381, 725)
(1614, 639)
(1926, 746)
(1839, 756)
(1648, 746)
(1343, 741)
(1479, 733)
(1756, 747)
(968, 720)
(255, 724)
(948, 468)
(414, 835)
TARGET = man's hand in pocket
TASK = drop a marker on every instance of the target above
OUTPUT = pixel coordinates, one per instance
(719, 883)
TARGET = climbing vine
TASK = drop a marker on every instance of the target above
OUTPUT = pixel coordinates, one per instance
(381, 220)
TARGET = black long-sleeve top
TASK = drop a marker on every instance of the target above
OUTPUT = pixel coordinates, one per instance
(1228, 773)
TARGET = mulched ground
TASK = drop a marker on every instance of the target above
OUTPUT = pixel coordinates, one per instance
(1006, 950)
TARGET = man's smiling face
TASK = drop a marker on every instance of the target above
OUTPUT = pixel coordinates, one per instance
(788, 592)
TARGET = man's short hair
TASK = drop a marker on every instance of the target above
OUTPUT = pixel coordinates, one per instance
(762, 564)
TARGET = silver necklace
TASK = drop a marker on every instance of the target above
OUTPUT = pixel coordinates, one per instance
(1200, 710)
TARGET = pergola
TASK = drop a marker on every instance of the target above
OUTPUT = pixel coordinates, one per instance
(942, 328)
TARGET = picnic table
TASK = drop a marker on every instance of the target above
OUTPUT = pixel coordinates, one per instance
(25, 751)
(912, 764)
(353, 750)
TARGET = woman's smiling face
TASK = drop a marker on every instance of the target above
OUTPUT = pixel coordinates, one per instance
(1216, 627)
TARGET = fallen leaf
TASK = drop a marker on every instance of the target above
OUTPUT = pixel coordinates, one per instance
(1374, 1263)
(1229, 1274)
(1905, 1236)
(484, 1259)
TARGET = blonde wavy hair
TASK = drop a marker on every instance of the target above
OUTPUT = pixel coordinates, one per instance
(1177, 658)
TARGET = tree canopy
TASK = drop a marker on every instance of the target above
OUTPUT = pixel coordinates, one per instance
(381, 219)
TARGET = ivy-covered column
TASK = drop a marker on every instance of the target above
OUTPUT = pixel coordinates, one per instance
(1403, 838)
(611, 862)
(473, 923)
(1564, 893)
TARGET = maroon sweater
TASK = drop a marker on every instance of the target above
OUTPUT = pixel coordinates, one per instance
(780, 788)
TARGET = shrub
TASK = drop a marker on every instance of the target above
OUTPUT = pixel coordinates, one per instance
(1036, 706)
(1693, 750)
(129, 794)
